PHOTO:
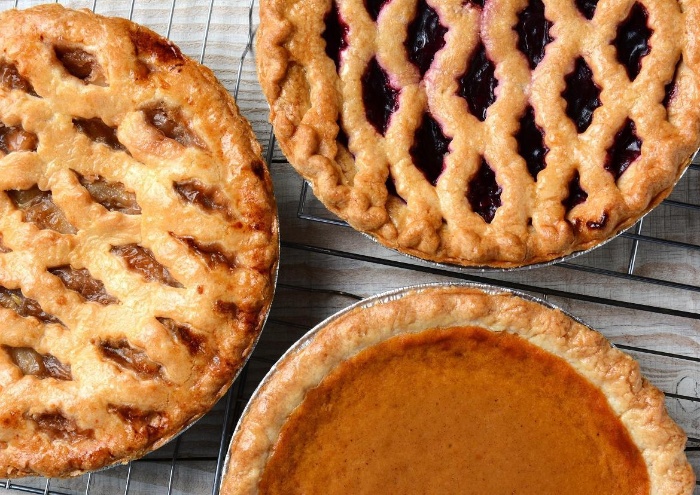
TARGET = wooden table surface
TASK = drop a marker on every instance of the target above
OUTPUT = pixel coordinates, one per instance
(647, 303)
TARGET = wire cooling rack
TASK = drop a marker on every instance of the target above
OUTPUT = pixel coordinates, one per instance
(642, 290)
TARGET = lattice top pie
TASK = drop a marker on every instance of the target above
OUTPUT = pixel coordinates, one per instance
(454, 389)
(138, 241)
(484, 132)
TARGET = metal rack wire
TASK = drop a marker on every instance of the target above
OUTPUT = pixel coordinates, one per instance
(634, 234)
(179, 456)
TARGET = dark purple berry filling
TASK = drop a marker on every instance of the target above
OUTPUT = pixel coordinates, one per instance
(600, 223)
(374, 7)
(669, 93)
(671, 88)
(484, 193)
(625, 149)
(632, 41)
(426, 36)
(391, 187)
(581, 95)
(342, 137)
(429, 149)
(576, 194)
(478, 84)
(380, 98)
(533, 32)
(336, 34)
(587, 7)
(531, 143)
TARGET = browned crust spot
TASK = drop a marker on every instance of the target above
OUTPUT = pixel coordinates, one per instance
(58, 426)
(227, 308)
(149, 45)
(147, 424)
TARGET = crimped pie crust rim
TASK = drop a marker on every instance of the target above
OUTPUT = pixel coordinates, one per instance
(637, 402)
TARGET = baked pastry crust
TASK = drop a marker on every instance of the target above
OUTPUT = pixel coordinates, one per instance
(638, 404)
(138, 235)
(324, 129)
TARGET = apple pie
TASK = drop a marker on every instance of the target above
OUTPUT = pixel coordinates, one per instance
(138, 241)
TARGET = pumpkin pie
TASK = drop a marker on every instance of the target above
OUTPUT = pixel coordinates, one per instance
(456, 389)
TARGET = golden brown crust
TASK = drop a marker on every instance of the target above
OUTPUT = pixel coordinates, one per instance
(639, 405)
(139, 241)
(309, 99)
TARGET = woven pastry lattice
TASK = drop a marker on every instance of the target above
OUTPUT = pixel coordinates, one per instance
(138, 241)
(506, 133)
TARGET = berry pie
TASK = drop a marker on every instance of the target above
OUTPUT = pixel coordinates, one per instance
(138, 241)
(456, 389)
(494, 133)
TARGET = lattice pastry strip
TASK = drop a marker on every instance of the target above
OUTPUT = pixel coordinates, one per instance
(138, 242)
(497, 133)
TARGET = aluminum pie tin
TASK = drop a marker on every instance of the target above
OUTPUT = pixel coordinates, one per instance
(379, 299)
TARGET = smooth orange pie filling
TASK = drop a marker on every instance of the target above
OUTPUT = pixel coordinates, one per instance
(459, 410)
